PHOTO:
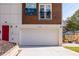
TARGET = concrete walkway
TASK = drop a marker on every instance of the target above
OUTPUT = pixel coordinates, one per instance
(70, 44)
(46, 51)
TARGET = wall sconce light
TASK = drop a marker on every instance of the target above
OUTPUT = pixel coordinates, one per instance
(5, 21)
(11, 26)
(16, 26)
(0, 31)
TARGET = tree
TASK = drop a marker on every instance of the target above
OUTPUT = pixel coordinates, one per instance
(73, 22)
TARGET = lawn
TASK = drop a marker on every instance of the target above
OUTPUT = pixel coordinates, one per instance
(76, 49)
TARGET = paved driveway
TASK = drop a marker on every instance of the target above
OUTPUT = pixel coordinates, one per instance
(46, 51)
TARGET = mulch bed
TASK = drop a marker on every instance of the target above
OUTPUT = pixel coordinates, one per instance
(5, 46)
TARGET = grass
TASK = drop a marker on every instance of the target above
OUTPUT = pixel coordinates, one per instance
(76, 49)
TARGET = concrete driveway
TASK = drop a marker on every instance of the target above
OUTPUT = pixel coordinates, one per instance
(46, 51)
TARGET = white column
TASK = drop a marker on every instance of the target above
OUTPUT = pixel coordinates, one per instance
(60, 36)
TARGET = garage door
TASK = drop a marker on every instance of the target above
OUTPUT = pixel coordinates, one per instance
(39, 37)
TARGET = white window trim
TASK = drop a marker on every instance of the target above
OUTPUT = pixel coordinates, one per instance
(45, 15)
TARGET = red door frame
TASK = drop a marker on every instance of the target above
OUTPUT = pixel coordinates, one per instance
(5, 32)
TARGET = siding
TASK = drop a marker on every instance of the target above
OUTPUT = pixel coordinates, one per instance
(12, 14)
(56, 15)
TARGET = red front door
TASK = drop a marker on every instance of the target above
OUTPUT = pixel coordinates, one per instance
(5, 32)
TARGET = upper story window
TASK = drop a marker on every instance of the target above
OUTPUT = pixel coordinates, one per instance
(30, 9)
(45, 11)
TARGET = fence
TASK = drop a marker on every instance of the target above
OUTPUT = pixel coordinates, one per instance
(70, 38)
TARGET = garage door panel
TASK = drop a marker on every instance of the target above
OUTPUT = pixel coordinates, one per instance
(39, 37)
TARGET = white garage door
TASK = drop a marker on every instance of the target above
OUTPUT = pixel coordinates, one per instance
(39, 37)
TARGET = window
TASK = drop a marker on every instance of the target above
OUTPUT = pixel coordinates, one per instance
(45, 12)
(30, 9)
